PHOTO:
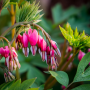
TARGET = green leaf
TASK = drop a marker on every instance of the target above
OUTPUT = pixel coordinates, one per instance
(27, 83)
(41, 87)
(33, 89)
(66, 35)
(24, 67)
(61, 77)
(76, 33)
(2, 85)
(5, 3)
(56, 13)
(14, 0)
(7, 85)
(39, 74)
(82, 87)
(15, 86)
(38, 62)
(82, 74)
(17, 13)
(28, 12)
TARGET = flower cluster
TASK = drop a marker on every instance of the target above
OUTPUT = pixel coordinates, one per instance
(47, 52)
(11, 58)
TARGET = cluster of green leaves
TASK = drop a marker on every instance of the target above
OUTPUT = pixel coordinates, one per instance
(74, 38)
(28, 12)
(82, 74)
(4, 3)
(17, 85)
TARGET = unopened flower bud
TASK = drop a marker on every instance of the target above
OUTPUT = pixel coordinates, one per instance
(80, 55)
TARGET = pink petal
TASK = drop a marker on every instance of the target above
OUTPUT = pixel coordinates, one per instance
(33, 38)
(43, 45)
(33, 50)
(80, 55)
(48, 50)
(25, 40)
(39, 41)
(53, 43)
(69, 49)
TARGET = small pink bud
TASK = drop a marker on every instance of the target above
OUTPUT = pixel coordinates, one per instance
(69, 49)
(63, 87)
(89, 50)
(80, 55)
(89, 63)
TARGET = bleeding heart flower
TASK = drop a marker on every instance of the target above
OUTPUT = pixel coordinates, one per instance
(48, 50)
(39, 41)
(4, 51)
(53, 44)
(43, 50)
(12, 60)
(18, 42)
(53, 60)
(33, 38)
(25, 48)
(80, 55)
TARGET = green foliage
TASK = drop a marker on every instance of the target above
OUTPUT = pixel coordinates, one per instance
(61, 77)
(26, 84)
(82, 73)
(75, 39)
(28, 12)
(6, 85)
(18, 86)
(5, 3)
(14, 0)
(34, 72)
(82, 87)
(33, 89)
(59, 15)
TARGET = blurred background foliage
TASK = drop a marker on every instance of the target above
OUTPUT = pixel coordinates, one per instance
(33, 66)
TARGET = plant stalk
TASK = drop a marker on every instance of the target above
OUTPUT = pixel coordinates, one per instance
(13, 33)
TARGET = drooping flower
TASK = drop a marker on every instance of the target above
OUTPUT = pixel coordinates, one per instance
(53, 60)
(53, 44)
(25, 48)
(80, 55)
(43, 50)
(8, 77)
(33, 38)
(12, 60)
(18, 42)
(39, 41)
(4, 51)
